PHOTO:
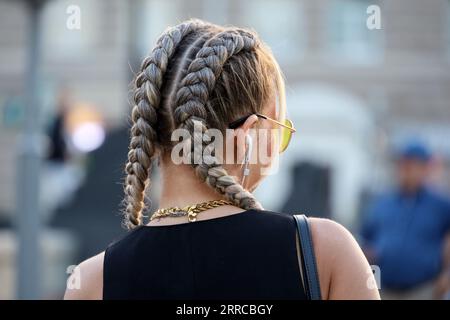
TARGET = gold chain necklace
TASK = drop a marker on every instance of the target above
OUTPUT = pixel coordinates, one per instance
(191, 211)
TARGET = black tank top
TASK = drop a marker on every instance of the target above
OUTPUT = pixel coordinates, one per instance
(249, 255)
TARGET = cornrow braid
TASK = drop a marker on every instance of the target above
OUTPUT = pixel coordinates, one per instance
(147, 97)
(192, 109)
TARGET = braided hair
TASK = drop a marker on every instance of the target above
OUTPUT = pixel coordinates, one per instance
(198, 74)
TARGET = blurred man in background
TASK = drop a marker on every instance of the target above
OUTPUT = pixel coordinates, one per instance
(57, 152)
(61, 173)
(405, 231)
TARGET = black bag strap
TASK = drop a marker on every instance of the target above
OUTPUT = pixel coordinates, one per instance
(308, 259)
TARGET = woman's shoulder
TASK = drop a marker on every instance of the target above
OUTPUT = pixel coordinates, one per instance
(86, 280)
(329, 232)
(344, 272)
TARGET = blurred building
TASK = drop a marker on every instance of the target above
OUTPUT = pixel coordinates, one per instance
(352, 92)
(92, 62)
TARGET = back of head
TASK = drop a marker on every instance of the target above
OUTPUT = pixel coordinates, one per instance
(199, 74)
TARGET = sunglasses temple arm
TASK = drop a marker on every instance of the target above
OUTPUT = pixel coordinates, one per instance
(282, 124)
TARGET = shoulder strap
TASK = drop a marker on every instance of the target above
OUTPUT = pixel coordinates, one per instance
(311, 277)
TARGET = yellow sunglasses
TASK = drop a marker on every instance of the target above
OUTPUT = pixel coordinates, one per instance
(287, 128)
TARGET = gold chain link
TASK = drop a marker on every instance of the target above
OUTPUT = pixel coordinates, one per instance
(191, 211)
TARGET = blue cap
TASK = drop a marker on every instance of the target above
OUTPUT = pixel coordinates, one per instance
(414, 150)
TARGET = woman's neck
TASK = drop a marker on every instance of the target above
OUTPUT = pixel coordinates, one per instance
(181, 187)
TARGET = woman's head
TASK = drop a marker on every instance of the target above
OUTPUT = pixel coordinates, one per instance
(201, 76)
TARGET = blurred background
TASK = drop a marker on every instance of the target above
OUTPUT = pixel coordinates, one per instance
(355, 95)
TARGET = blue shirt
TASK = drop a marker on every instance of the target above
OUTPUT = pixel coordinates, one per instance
(407, 234)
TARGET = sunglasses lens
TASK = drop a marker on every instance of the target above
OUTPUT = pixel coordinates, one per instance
(286, 135)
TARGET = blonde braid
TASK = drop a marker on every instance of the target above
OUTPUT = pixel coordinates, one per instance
(192, 108)
(147, 98)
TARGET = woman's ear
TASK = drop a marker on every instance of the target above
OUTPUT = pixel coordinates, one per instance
(246, 126)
